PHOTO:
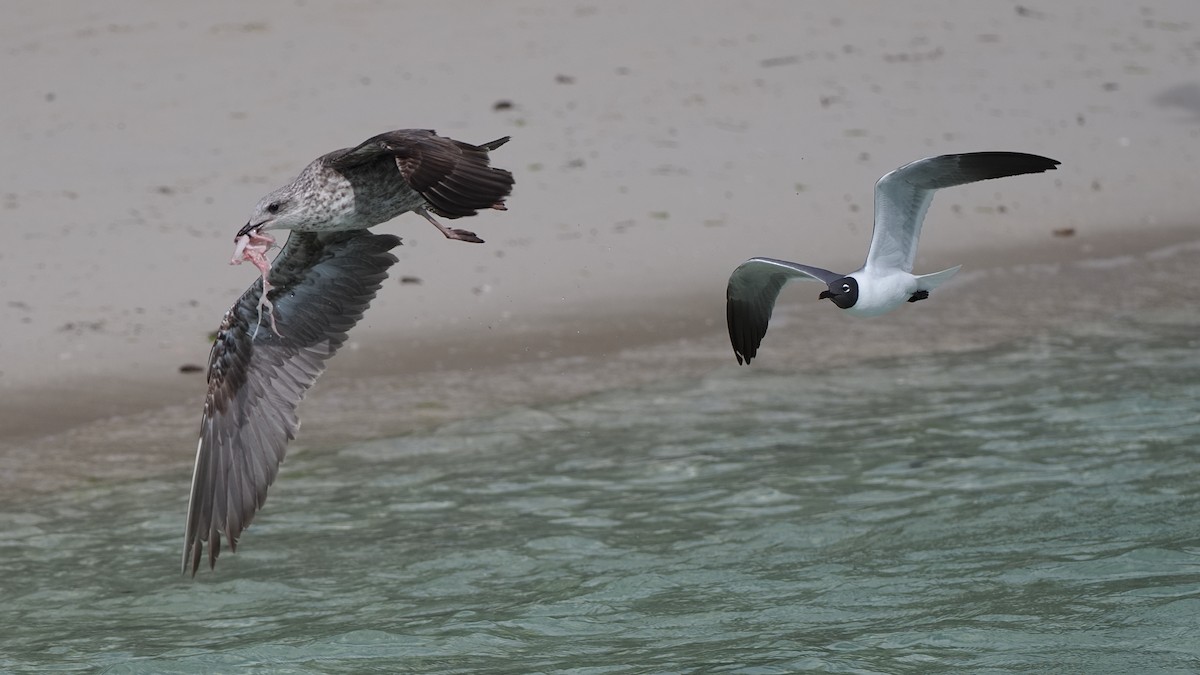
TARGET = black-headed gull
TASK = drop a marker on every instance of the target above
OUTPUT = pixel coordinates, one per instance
(885, 281)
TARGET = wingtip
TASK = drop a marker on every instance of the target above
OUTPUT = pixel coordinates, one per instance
(492, 145)
(191, 558)
(1016, 162)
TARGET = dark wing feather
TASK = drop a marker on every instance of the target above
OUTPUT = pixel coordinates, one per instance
(750, 298)
(455, 178)
(322, 284)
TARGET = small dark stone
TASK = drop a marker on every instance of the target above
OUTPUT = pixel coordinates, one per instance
(190, 368)
(779, 61)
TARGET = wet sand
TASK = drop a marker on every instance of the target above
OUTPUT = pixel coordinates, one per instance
(655, 146)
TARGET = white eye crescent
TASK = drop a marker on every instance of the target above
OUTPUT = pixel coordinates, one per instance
(846, 287)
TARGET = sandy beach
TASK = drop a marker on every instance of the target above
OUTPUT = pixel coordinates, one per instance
(655, 147)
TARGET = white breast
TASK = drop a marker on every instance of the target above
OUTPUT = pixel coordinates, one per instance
(881, 294)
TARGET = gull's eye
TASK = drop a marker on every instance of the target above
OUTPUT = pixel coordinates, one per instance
(845, 287)
(273, 207)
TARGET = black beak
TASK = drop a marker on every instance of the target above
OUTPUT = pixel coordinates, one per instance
(245, 230)
(825, 294)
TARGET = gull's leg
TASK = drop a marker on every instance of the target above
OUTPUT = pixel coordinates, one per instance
(919, 295)
(461, 235)
(253, 247)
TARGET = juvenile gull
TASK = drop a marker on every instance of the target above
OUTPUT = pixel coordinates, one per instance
(885, 281)
(315, 291)
(387, 175)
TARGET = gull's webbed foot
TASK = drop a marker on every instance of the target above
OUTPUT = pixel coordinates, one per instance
(462, 235)
(450, 233)
(919, 295)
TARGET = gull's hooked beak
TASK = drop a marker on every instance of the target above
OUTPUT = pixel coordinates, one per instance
(246, 230)
(825, 294)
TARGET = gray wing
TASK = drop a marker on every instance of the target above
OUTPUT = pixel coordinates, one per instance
(750, 298)
(455, 178)
(903, 196)
(322, 284)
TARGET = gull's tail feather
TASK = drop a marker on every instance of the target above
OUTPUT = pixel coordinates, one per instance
(928, 282)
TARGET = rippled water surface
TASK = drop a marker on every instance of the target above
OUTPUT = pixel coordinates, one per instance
(1029, 507)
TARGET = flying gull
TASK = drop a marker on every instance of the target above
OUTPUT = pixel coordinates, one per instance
(885, 281)
(314, 292)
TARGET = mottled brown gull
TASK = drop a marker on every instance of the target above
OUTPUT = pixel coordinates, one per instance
(313, 293)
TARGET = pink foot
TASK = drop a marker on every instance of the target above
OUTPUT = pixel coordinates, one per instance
(253, 246)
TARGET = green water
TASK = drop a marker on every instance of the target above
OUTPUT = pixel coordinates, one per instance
(1032, 507)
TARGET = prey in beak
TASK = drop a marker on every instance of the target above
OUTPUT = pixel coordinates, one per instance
(252, 245)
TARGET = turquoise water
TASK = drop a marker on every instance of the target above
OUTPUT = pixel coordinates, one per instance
(1030, 507)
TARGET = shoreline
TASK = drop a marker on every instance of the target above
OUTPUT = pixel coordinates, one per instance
(111, 434)
(59, 405)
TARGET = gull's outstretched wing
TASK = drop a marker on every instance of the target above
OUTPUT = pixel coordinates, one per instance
(750, 298)
(456, 178)
(902, 197)
(321, 285)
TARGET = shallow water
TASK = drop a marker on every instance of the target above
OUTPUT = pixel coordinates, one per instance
(1029, 507)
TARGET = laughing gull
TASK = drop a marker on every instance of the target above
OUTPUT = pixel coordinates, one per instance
(885, 281)
(315, 290)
